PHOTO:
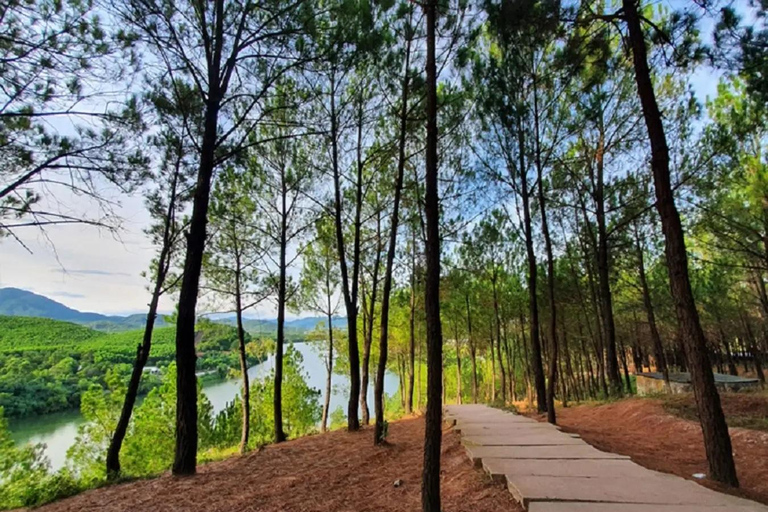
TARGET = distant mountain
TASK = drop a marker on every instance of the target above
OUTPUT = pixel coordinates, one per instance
(16, 302)
(296, 326)
(309, 323)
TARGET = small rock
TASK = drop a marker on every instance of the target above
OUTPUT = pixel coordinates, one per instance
(699, 475)
(398, 483)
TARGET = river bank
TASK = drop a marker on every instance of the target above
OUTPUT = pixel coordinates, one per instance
(59, 430)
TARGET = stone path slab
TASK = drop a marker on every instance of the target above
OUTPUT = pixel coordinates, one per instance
(480, 429)
(590, 468)
(478, 453)
(667, 490)
(547, 438)
(639, 507)
(486, 419)
(551, 471)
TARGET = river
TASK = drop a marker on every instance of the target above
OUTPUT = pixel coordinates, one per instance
(58, 430)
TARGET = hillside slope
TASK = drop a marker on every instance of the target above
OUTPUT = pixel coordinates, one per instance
(17, 302)
(338, 471)
(20, 333)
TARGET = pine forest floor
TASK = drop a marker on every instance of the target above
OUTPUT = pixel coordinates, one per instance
(338, 471)
(664, 435)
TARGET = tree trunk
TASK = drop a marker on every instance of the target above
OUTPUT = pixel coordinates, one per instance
(717, 441)
(493, 367)
(510, 363)
(329, 359)
(606, 299)
(569, 374)
(472, 351)
(536, 364)
(142, 351)
(553, 356)
(412, 327)
(623, 359)
(526, 358)
(727, 345)
(418, 380)
(587, 361)
(597, 341)
(498, 335)
(281, 299)
(371, 317)
(658, 347)
(430, 486)
(349, 291)
(394, 223)
(244, 371)
(401, 378)
(752, 344)
(458, 363)
(328, 370)
(185, 457)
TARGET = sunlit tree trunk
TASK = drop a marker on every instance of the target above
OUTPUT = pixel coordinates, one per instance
(717, 441)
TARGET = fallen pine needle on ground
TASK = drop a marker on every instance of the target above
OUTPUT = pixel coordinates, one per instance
(337, 471)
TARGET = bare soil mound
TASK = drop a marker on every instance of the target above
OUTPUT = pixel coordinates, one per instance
(642, 429)
(338, 471)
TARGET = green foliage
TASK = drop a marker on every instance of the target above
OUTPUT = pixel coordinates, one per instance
(49, 365)
(301, 407)
(101, 409)
(18, 333)
(150, 444)
(26, 480)
(338, 419)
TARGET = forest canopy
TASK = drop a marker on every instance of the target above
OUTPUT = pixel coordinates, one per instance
(528, 199)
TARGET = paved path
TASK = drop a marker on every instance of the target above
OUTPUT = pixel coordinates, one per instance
(547, 470)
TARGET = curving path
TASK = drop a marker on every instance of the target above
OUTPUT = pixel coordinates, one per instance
(547, 470)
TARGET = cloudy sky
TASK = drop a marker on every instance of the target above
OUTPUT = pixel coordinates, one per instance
(84, 267)
(87, 268)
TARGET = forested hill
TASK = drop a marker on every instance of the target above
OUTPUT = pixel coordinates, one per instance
(18, 334)
(46, 365)
(16, 302)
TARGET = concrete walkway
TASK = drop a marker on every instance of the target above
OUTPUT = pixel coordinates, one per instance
(547, 470)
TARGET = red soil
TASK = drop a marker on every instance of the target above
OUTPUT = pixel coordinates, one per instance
(338, 471)
(643, 430)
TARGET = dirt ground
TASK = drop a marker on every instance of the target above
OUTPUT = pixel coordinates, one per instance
(747, 410)
(642, 429)
(338, 471)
